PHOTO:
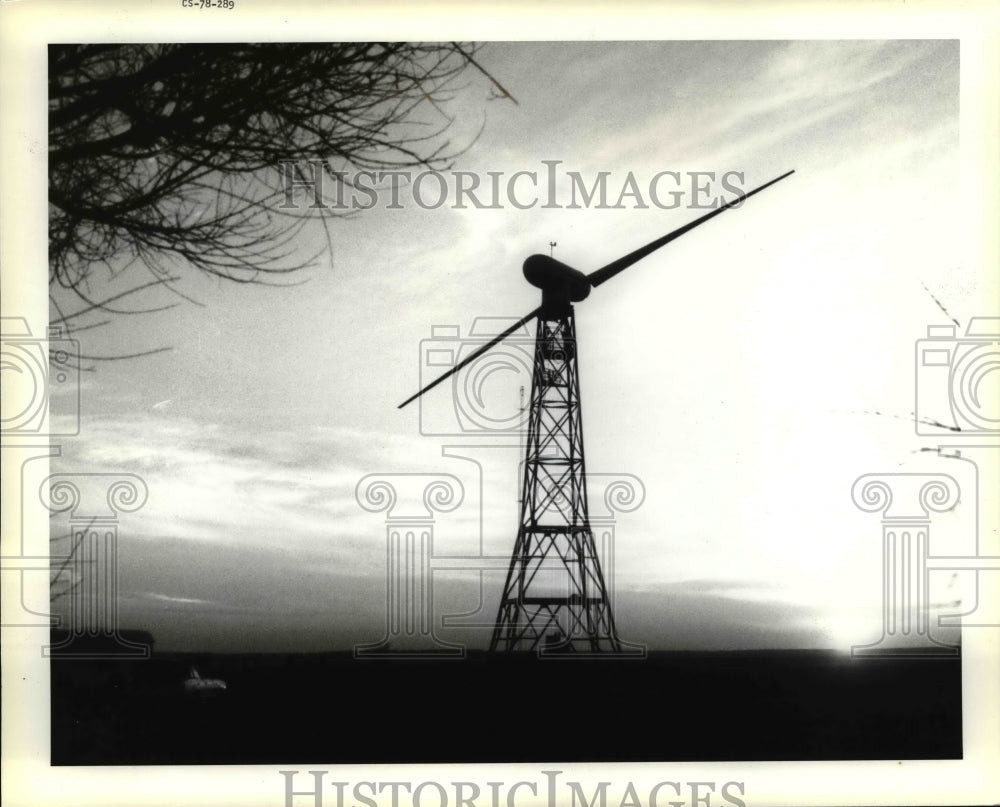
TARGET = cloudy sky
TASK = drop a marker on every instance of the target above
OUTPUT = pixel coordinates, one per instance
(737, 374)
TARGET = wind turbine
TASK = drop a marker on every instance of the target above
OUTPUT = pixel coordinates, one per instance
(555, 598)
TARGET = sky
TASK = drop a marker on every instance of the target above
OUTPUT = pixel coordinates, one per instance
(741, 379)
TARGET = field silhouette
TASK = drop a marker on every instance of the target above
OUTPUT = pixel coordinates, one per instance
(671, 706)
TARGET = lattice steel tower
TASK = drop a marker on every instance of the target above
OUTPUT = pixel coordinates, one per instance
(555, 598)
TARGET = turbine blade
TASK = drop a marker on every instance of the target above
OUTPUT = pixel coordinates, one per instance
(474, 355)
(605, 273)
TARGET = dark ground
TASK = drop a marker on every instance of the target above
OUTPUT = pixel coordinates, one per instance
(672, 706)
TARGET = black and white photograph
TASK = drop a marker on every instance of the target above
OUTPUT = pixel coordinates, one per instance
(600, 412)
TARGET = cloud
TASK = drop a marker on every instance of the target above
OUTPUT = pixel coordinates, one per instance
(180, 600)
(204, 472)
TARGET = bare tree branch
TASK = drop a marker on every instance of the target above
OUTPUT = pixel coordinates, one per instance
(168, 155)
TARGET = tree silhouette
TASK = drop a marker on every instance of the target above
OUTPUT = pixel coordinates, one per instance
(163, 156)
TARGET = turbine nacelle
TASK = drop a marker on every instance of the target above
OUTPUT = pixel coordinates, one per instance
(556, 280)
